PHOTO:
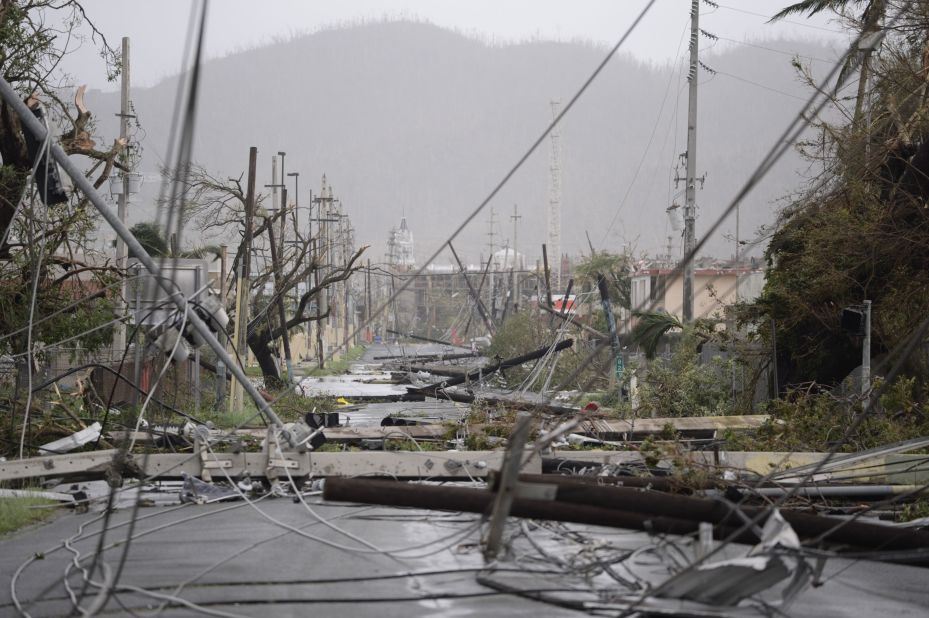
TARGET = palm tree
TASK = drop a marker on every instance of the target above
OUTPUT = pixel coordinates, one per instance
(653, 325)
(870, 19)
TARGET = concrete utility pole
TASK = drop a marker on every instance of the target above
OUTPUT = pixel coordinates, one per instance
(690, 208)
(242, 284)
(322, 253)
(119, 337)
(515, 284)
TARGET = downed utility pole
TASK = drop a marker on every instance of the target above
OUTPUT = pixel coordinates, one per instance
(425, 358)
(507, 484)
(483, 371)
(845, 532)
(618, 507)
(31, 123)
(446, 498)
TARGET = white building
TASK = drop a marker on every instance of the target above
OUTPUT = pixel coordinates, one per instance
(400, 246)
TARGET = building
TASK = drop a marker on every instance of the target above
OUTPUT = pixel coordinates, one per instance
(400, 246)
(659, 288)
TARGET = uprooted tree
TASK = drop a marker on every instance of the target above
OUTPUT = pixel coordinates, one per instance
(46, 262)
(217, 208)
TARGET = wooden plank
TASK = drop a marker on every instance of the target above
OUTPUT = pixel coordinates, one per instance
(333, 434)
(618, 429)
(889, 469)
(342, 434)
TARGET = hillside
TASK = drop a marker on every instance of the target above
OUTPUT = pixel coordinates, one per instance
(407, 118)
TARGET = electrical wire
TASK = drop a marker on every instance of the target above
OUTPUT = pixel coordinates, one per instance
(769, 18)
(288, 473)
(507, 176)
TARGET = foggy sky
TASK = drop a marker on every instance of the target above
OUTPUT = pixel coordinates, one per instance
(158, 29)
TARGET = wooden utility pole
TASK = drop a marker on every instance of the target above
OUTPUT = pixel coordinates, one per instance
(515, 265)
(278, 285)
(690, 208)
(548, 277)
(242, 281)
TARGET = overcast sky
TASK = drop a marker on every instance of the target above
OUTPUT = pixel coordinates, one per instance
(158, 28)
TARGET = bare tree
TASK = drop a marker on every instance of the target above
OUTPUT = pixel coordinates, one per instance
(216, 207)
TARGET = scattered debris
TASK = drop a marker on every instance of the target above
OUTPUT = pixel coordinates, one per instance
(74, 441)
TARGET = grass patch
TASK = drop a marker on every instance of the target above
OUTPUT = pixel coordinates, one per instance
(16, 513)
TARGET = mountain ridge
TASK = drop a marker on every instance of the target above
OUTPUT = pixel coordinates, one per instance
(409, 118)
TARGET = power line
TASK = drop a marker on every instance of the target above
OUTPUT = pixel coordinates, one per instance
(771, 49)
(768, 19)
(519, 163)
(757, 85)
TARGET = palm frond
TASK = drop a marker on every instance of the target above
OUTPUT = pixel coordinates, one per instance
(650, 328)
(811, 7)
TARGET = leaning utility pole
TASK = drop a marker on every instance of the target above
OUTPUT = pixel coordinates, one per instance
(690, 208)
(475, 294)
(119, 337)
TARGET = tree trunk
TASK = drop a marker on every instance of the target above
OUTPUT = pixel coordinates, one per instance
(270, 372)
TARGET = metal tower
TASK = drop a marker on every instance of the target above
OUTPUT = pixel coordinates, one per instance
(553, 214)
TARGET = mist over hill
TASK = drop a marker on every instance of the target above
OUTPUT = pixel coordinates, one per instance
(409, 119)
